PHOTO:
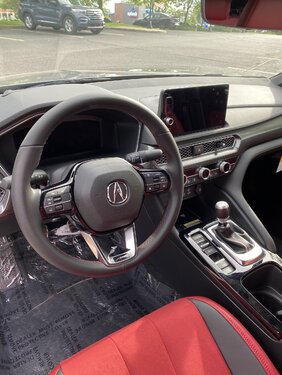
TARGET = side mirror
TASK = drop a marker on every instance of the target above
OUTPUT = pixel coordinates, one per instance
(251, 14)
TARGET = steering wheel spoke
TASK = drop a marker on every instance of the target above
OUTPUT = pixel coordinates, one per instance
(113, 248)
(56, 201)
(156, 181)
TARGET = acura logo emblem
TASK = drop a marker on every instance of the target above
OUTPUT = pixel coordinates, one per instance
(117, 192)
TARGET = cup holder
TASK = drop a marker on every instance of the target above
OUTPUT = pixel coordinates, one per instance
(265, 284)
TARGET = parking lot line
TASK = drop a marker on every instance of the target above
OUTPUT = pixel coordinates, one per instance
(115, 34)
(76, 36)
(12, 39)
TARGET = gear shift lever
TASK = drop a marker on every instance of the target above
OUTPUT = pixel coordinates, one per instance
(222, 213)
(239, 241)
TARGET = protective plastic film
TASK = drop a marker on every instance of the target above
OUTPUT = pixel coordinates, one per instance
(9, 271)
(48, 315)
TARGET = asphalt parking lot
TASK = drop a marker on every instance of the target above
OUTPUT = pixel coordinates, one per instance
(115, 51)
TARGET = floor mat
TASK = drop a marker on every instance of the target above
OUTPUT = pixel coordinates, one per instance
(48, 315)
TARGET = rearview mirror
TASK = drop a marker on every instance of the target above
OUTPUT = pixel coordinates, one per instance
(251, 14)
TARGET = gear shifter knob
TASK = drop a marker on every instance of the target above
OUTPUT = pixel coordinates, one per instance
(222, 212)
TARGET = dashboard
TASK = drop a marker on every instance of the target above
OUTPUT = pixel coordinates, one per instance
(220, 118)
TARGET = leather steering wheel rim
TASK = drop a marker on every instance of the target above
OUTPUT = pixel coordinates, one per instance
(26, 199)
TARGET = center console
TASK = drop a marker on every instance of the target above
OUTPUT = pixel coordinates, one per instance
(225, 254)
(253, 274)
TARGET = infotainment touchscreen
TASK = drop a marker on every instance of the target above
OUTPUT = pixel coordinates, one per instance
(191, 109)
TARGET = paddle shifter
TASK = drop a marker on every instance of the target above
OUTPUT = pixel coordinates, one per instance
(236, 238)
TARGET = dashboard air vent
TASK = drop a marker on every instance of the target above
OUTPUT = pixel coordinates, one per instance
(213, 145)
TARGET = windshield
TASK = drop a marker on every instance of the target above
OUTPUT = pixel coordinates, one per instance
(41, 42)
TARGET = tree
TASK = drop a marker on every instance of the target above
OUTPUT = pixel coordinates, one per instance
(149, 4)
(196, 14)
(185, 6)
(99, 3)
(10, 4)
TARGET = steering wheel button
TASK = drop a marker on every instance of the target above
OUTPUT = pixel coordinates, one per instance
(48, 201)
(53, 193)
(67, 206)
(59, 207)
(149, 188)
(49, 210)
(66, 197)
(57, 199)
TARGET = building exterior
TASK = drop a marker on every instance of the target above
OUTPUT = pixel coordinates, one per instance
(127, 13)
(7, 14)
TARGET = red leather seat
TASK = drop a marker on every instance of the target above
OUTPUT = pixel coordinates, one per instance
(188, 336)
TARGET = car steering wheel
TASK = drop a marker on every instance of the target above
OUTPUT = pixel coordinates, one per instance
(103, 197)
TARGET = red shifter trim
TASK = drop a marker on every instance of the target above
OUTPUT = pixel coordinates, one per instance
(246, 336)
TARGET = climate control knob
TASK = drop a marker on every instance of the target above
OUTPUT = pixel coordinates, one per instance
(225, 167)
(204, 173)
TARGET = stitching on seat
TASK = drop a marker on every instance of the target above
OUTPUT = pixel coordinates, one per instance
(252, 344)
(110, 338)
(162, 341)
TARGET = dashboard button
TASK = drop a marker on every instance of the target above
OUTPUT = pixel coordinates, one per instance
(192, 179)
(210, 250)
(222, 263)
(215, 173)
(197, 237)
(198, 149)
(228, 270)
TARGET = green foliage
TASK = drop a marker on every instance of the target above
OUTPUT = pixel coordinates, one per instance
(10, 23)
(89, 3)
(181, 9)
(9, 4)
(188, 11)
